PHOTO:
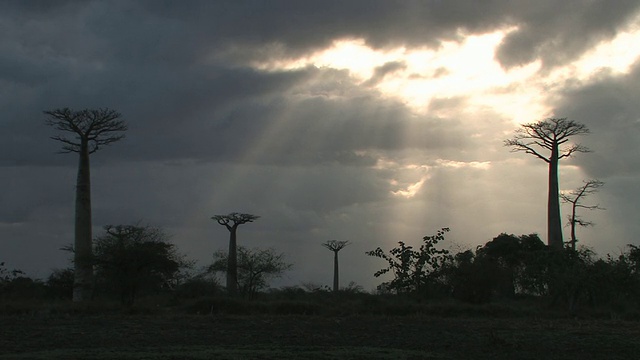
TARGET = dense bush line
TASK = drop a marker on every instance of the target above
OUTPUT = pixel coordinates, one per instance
(508, 276)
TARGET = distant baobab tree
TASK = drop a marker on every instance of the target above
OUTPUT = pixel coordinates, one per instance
(335, 246)
(231, 222)
(552, 135)
(90, 130)
(575, 198)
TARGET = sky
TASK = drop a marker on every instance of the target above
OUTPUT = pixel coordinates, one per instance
(370, 121)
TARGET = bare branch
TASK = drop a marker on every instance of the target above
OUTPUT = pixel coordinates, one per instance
(573, 149)
(335, 245)
(525, 147)
(548, 134)
(94, 128)
(588, 187)
(234, 219)
(574, 198)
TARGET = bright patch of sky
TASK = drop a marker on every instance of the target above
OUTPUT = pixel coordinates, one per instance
(411, 190)
(468, 69)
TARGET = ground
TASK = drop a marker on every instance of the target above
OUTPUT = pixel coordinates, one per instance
(118, 336)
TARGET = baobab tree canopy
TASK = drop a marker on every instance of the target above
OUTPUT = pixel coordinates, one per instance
(335, 245)
(94, 128)
(550, 134)
(234, 219)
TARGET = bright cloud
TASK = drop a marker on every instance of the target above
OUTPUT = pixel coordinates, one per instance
(468, 69)
(411, 190)
(482, 165)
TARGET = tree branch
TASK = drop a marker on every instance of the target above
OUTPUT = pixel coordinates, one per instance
(95, 127)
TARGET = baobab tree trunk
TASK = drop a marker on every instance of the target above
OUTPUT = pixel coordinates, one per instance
(336, 280)
(232, 265)
(83, 278)
(554, 224)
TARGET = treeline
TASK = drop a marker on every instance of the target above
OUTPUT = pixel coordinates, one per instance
(139, 265)
(513, 267)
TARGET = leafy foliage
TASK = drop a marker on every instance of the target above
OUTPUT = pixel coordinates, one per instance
(131, 258)
(412, 269)
(15, 285)
(60, 283)
(7, 275)
(255, 268)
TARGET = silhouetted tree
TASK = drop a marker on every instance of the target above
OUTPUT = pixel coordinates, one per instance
(255, 267)
(335, 246)
(90, 130)
(504, 253)
(60, 284)
(550, 134)
(412, 268)
(130, 258)
(575, 198)
(469, 277)
(231, 222)
(7, 275)
(15, 285)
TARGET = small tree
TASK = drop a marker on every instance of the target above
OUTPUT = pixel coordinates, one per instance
(90, 129)
(575, 198)
(60, 284)
(412, 269)
(130, 258)
(255, 268)
(550, 134)
(7, 275)
(335, 246)
(231, 222)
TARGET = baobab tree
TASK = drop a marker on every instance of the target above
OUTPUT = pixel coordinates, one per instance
(231, 222)
(575, 198)
(335, 246)
(550, 135)
(90, 130)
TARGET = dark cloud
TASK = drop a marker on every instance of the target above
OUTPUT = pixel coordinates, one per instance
(184, 33)
(558, 32)
(381, 71)
(609, 107)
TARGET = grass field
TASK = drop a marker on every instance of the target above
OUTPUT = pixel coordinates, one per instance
(180, 336)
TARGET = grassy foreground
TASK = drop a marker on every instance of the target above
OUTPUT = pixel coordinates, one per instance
(181, 336)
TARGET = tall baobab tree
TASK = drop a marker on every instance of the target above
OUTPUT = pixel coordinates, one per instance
(335, 246)
(575, 198)
(550, 135)
(231, 222)
(90, 130)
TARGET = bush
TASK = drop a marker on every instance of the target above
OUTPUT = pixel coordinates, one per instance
(59, 285)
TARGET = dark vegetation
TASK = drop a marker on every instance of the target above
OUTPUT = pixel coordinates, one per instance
(139, 270)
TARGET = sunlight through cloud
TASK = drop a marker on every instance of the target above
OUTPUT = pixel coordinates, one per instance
(468, 70)
(482, 165)
(411, 190)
